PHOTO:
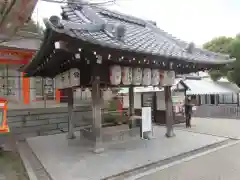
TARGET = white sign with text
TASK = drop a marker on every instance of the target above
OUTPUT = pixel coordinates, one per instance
(146, 119)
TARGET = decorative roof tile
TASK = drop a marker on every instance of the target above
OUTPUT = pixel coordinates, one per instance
(140, 35)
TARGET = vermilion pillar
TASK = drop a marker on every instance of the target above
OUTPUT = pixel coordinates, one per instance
(58, 94)
(25, 89)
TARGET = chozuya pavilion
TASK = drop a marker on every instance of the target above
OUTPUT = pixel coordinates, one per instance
(97, 48)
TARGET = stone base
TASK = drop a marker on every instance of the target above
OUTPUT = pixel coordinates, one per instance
(71, 136)
(170, 134)
(98, 150)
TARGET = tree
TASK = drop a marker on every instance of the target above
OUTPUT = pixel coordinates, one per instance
(226, 45)
(32, 27)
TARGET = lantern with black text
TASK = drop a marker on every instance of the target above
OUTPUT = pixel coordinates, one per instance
(137, 76)
(74, 77)
(66, 81)
(61, 81)
(126, 75)
(167, 78)
(115, 75)
(147, 77)
(3, 117)
(57, 81)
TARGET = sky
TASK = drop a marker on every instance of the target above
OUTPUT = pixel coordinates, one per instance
(195, 21)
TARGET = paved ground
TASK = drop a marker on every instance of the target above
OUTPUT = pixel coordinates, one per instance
(218, 127)
(73, 160)
(223, 164)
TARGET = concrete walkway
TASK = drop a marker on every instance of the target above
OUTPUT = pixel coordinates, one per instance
(223, 164)
(219, 127)
(73, 160)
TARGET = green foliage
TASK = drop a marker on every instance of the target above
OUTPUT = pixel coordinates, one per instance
(215, 75)
(229, 46)
(220, 45)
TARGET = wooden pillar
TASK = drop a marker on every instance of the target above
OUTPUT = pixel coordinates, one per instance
(216, 99)
(237, 99)
(97, 115)
(70, 134)
(169, 111)
(131, 107)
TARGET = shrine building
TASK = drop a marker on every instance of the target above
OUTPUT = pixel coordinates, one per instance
(14, 87)
(93, 47)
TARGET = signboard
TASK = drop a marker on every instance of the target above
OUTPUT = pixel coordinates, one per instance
(3, 117)
(146, 126)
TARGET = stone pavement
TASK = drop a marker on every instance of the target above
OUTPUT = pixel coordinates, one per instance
(73, 160)
(223, 164)
(219, 127)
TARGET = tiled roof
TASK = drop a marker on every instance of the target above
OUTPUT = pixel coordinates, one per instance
(140, 35)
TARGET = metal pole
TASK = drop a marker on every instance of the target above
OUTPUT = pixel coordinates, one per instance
(169, 111)
(70, 134)
(97, 116)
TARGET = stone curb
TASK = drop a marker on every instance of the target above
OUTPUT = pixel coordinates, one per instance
(27, 164)
(32, 165)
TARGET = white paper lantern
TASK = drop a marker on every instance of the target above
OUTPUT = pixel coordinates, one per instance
(167, 78)
(107, 95)
(57, 81)
(155, 77)
(74, 77)
(66, 80)
(147, 77)
(126, 75)
(115, 75)
(61, 81)
(137, 76)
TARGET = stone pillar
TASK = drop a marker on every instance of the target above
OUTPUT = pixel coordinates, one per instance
(169, 111)
(131, 107)
(97, 115)
(70, 134)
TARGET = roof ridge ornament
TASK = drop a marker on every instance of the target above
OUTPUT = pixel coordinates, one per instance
(190, 47)
(62, 24)
(56, 22)
(119, 31)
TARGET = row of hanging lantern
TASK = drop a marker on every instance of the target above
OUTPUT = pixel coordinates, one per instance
(70, 78)
(140, 76)
(121, 75)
